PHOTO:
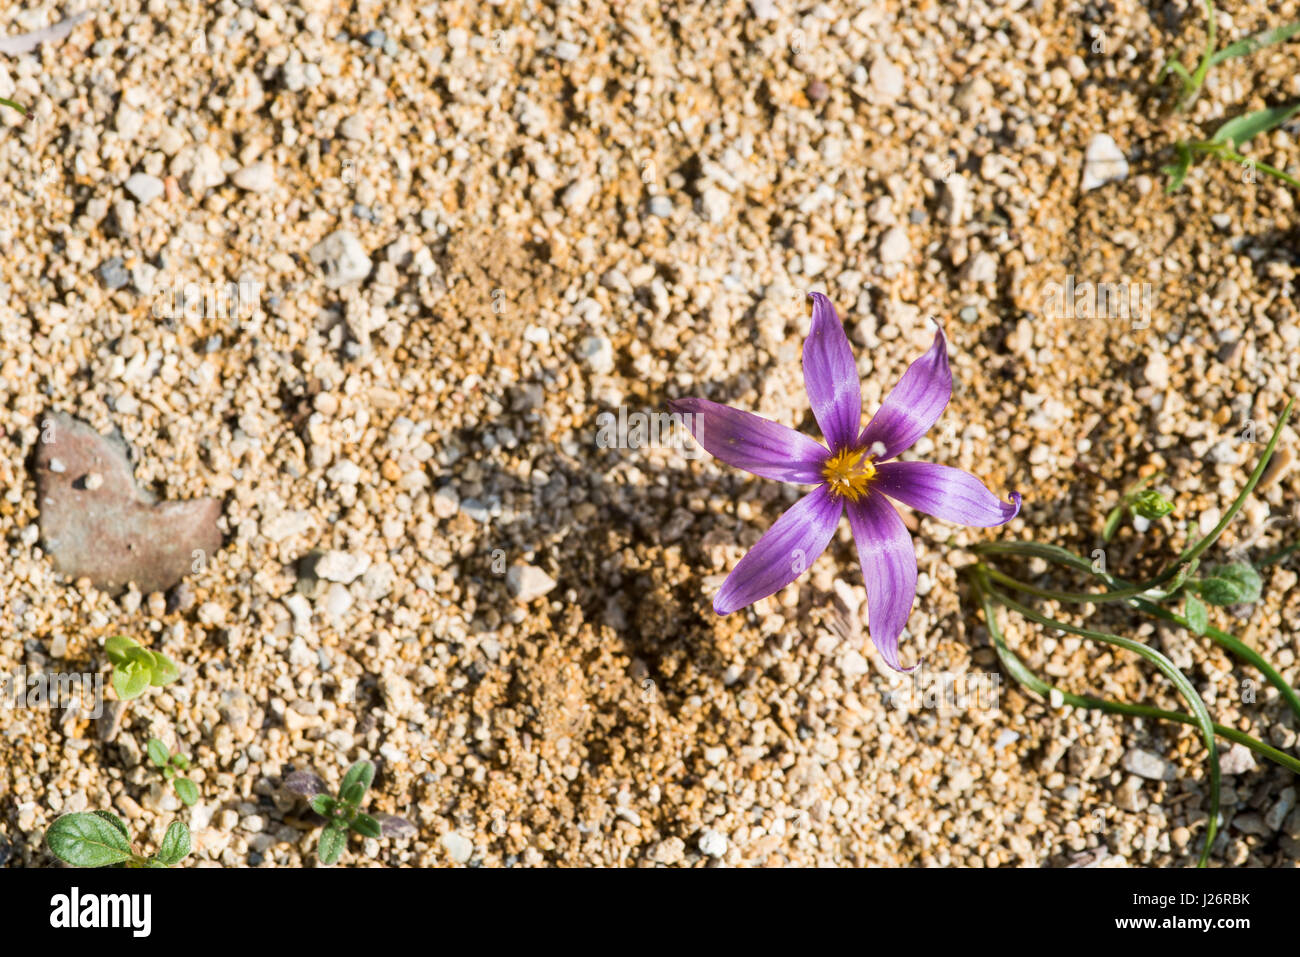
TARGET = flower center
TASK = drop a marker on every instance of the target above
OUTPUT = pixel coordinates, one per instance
(848, 472)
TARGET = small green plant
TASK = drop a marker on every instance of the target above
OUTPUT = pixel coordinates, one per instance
(135, 668)
(1140, 501)
(1233, 583)
(171, 765)
(1237, 583)
(1227, 139)
(100, 839)
(344, 812)
(12, 105)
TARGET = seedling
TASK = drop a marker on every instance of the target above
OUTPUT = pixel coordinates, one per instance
(1140, 501)
(100, 839)
(1233, 583)
(1235, 132)
(1225, 142)
(171, 765)
(344, 812)
(136, 668)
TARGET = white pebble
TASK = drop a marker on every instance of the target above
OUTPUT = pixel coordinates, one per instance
(599, 354)
(713, 843)
(895, 246)
(458, 847)
(1103, 162)
(257, 178)
(144, 187)
(526, 582)
(342, 259)
(342, 567)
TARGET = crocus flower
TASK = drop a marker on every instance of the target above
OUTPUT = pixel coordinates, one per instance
(854, 474)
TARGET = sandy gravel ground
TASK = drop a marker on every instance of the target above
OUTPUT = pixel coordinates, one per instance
(465, 230)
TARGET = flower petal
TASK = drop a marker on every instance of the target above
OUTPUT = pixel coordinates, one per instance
(785, 551)
(914, 405)
(751, 442)
(831, 376)
(945, 492)
(888, 570)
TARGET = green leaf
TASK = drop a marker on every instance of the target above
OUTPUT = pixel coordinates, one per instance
(87, 840)
(1197, 615)
(181, 761)
(1177, 171)
(175, 845)
(164, 671)
(158, 752)
(116, 821)
(1196, 706)
(187, 791)
(142, 656)
(1242, 128)
(363, 773)
(332, 842)
(1151, 505)
(353, 793)
(367, 826)
(117, 648)
(1234, 584)
(323, 804)
(1112, 523)
(1257, 42)
(130, 680)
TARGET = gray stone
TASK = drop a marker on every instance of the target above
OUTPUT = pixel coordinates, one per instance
(341, 258)
(110, 721)
(1237, 760)
(1147, 765)
(116, 533)
(113, 274)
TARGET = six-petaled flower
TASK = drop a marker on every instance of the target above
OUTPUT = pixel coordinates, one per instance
(855, 474)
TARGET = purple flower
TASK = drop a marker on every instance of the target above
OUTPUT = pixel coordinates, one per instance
(854, 474)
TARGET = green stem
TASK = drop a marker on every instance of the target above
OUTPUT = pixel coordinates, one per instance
(1084, 597)
(1226, 152)
(1193, 551)
(17, 106)
(1166, 667)
(1021, 673)
(1221, 638)
(1203, 68)
(1234, 646)
(1051, 553)
(1277, 556)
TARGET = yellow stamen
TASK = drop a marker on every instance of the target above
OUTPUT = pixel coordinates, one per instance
(848, 472)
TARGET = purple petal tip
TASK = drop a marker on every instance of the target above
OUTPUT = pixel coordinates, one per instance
(898, 667)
